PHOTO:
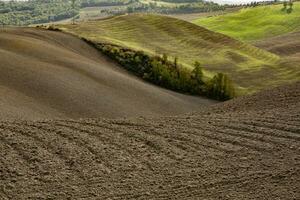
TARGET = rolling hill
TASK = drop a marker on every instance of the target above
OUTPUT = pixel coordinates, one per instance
(46, 74)
(257, 23)
(245, 64)
(231, 151)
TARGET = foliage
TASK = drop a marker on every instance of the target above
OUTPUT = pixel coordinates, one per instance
(35, 11)
(156, 34)
(192, 6)
(44, 11)
(220, 87)
(162, 72)
(103, 3)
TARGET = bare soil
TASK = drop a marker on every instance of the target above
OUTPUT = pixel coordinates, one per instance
(248, 148)
(46, 74)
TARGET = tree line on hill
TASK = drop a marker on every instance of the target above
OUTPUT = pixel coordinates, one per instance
(288, 6)
(169, 74)
(44, 11)
(35, 11)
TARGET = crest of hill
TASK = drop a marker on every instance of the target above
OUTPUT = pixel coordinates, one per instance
(246, 65)
(46, 74)
(283, 97)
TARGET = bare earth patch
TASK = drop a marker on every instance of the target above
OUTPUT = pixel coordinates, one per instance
(246, 148)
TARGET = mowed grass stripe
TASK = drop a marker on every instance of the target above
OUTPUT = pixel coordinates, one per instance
(154, 34)
(257, 23)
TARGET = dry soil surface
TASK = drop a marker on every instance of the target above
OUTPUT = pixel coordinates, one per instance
(248, 148)
(46, 74)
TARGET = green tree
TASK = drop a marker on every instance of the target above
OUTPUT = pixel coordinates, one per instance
(290, 9)
(197, 73)
(284, 5)
(73, 9)
(220, 87)
(197, 78)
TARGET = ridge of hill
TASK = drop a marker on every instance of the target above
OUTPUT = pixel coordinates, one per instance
(46, 74)
(245, 64)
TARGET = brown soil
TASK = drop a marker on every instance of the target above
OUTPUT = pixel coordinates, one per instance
(248, 148)
(46, 74)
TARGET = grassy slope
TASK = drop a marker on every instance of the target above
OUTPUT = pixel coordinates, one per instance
(246, 64)
(255, 23)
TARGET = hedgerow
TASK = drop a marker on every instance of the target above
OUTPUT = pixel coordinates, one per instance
(168, 74)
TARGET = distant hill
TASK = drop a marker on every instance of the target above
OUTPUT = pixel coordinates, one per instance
(250, 68)
(256, 23)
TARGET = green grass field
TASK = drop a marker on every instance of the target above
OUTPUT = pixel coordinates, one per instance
(257, 23)
(249, 67)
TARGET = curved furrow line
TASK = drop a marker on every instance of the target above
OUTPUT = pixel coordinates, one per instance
(178, 132)
(163, 131)
(90, 155)
(116, 141)
(249, 139)
(258, 118)
(178, 139)
(281, 122)
(290, 117)
(57, 162)
(253, 136)
(9, 140)
(140, 136)
(11, 168)
(263, 139)
(233, 140)
(54, 146)
(40, 163)
(290, 129)
(256, 130)
(102, 136)
(192, 142)
(290, 134)
(200, 190)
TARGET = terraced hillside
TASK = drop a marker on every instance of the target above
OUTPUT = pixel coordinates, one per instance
(230, 151)
(46, 74)
(246, 64)
(286, 46)
(257, 23)
(283, 45)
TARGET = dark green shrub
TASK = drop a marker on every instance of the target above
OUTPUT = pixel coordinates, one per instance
(220, 87)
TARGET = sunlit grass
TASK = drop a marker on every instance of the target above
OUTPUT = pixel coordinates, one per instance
(255, 23)
(249, 67)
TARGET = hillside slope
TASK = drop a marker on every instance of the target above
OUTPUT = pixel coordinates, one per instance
(257, 23)
(46, 74)
(248, 149)
(283, 45)
(245, 64)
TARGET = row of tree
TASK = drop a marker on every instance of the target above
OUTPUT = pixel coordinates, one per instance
(169, 74)
(288, 6)
(35, 11)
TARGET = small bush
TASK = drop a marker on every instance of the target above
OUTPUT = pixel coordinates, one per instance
(53, 28)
